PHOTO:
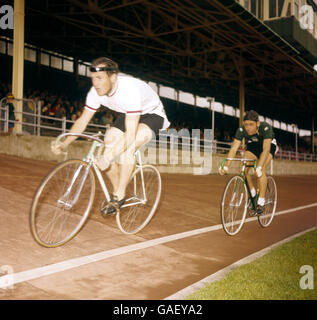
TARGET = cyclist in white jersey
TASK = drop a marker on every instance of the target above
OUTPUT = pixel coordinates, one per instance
(141, 113)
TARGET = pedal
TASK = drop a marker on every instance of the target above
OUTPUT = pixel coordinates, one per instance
(251, 212)
(104, 206)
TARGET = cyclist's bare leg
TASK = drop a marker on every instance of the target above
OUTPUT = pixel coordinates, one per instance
(112, 136)
(249, 155)
(143, 136)
(262, 181)
(113, 175)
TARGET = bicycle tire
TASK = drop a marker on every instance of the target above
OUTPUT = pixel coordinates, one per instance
(265, 219)
(132, 218)
(233, 207)
(55, 216)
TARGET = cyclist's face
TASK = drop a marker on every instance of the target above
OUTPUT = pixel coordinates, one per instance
(102, 82)
(251, 127)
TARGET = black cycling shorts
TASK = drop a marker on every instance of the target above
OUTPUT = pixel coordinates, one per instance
(153, 121)
(257, 148)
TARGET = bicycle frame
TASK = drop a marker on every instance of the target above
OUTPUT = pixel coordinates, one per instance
(98, 143)
(138, 201)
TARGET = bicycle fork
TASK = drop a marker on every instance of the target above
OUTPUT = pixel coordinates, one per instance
(63, 201)
(234, 202)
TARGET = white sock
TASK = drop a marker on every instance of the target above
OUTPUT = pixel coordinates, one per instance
(261, 201)
(253, 192)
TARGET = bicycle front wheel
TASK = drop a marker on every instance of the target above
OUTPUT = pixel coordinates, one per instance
(234, 205)
(62, 203)
(266, 217)
(142, 198)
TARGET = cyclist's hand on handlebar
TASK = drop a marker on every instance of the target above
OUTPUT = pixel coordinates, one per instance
(223, 171)
(58, 147)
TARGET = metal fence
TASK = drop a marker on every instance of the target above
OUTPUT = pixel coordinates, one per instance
(34, 123)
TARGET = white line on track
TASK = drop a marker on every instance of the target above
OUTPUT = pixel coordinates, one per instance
(81, 261)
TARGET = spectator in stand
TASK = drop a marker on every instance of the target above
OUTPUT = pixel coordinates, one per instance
(227, 137)
(70, 111)
(11, 112)
(106, 119)
(217, 134)
(73, 118)
(60, 111)
(52, 110)
(78, 113)
(45, 110)
(109, 117)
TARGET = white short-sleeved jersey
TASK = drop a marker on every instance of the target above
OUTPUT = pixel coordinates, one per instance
(131, 96)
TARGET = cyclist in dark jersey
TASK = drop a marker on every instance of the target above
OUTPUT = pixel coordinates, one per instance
(260, 145)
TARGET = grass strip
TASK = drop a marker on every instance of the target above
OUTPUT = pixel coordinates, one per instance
(275, 276)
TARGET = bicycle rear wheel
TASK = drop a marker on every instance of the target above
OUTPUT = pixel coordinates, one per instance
(142, 200)
(62, 203)
(266, 217)
(234, 205)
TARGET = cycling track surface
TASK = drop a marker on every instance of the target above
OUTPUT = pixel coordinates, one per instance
(103, 263)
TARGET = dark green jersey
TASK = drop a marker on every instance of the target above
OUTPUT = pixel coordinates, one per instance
(265, 132)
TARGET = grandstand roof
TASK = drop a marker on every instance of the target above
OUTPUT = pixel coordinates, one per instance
(198, 46)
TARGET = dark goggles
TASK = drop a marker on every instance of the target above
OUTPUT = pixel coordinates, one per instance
(97, 69)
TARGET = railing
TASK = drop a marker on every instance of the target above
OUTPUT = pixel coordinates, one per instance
(37, 124)
(29, 108)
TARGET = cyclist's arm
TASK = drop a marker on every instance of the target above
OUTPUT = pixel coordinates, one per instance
(80, 125)
(232, 152)
(265, 152)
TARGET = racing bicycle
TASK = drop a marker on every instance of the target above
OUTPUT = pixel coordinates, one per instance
(237, 201)
(64, 198)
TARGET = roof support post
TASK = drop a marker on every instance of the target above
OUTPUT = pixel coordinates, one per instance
(18, 59)
(241, 99)
(313, 135)
(212, 110)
